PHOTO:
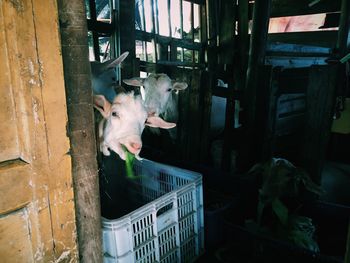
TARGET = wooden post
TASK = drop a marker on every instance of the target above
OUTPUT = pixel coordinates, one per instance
(261, 15)
(75, 54)
(343, 44)
(226, 58)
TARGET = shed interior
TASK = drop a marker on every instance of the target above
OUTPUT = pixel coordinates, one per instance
(266, 79)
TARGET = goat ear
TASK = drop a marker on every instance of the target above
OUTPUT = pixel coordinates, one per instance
(112, 63)
(179, 85)
(137, 82)
(102, 105)
(157, 122)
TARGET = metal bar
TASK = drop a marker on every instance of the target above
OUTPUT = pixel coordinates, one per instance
(192, 28)
(96, 45)
(169, 18)
(144, 44)
(182, 27)
(154, 29)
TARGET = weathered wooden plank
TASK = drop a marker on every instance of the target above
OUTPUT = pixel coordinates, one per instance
(316, 38)
(42, 171)
(320, 102)
(15, 231)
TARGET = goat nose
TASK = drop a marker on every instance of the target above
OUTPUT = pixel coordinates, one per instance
(136, 146)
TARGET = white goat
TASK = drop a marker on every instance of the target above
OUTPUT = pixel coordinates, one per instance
(159, 94)
(124, 115)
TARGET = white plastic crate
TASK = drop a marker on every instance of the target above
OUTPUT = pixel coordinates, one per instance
(168, 228)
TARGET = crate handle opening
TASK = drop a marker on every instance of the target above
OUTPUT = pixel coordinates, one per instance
(164, 209)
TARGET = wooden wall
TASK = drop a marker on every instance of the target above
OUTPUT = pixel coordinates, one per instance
(37, 218)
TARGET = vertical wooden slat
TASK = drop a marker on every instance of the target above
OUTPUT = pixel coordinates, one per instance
(194, 119)
(226, 31)
(343, 41)
(242, 43)
(212, 35)
(207, 81)
(320, 102)
(226, 47)
(127, 35)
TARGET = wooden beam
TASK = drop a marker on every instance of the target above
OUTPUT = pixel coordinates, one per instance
(313, 38)
(146, 36)
(280, 8)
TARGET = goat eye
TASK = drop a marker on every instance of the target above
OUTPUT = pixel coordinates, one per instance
(115, 114)
(169, 90)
